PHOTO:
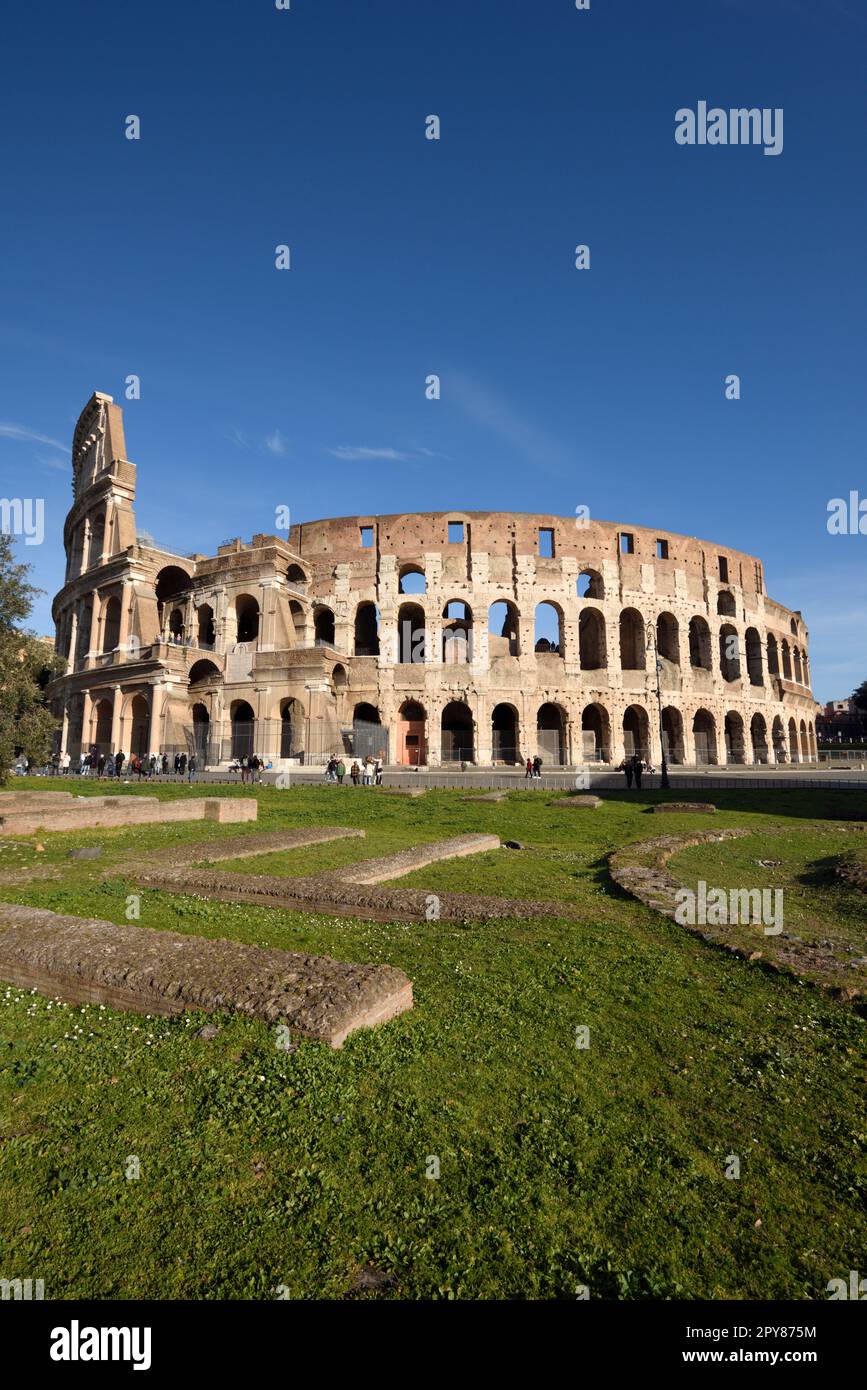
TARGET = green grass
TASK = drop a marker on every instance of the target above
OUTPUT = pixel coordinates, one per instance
(558, 1165)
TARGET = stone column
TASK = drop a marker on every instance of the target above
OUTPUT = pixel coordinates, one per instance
(155, 732)
(688, 740)
(64, 728)
(85, 721)
(433, 735)
(125, 617)
(95, 625)
(116, 705)
(73, 638)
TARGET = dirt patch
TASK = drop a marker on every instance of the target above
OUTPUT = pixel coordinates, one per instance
(88, 961)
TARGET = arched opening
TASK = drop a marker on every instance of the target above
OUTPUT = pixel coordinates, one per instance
(299, 622)
(457, 633)
(632, 653)
(206, 631)
(291, 728)
(411, 635)
(729, 653)
(411, 734)
(636, 733)
(595, 734)
(548, 629)
(551, 734)
(411, 580)
(338, 677)
(787, 661)
(672, 735)
(753, 644)
(733, 734)
(805, 744)
(794, 755)
(503, 630)
(176, 626)
(590, 585)
(82, 643)
(171, 584)
(773, 656)
(504, 734)
(296, 578)
(368, 739)
(799, 675)
(111, 624)
(699, 644)
(323, 626)
(367, 630)
(778, 738)
(201, 734)
(100, 722)
(247, 614)
(457, 733)
(140, 718)
(243, 729)
(704, 737)
(793, 627)
(97, 541)
(591, 640)
(725, 604)
(668, 638)
(759, 738)
(202, 673)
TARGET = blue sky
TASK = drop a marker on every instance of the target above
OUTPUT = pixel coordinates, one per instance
(560, 388)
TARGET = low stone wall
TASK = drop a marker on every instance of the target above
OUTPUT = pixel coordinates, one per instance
(96, 812)
(406, 861)
(160, 972)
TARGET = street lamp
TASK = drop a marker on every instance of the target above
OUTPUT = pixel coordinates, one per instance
(650, 641)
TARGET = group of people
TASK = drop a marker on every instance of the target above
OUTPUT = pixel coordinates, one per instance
(368, 772)
(533, 769)
(97, 764)
(251, 767)
(633, 768)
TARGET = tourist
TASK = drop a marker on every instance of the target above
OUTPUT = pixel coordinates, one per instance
(377, 772)
(340, 771)
(165, 764)
(353, 772)
(366, 777)
(65, 760)
(529, 770)
(637, 768)
(100, 766)
(537, 767)
(626, 768)
(191, 768)
(182, 765)
(118, 763)
(177, 763)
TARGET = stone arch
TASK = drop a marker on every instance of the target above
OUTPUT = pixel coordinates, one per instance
(794, 754)
(786, 660)
(636, 732)
(595, 734)
(323, 625)
(111, 624)
(632, 653)
(725, 604)
(672, 735)
(457, 633)
(243, 722)
(176, 625)
(778, 738)
(592, 654)
(759, 738)
(805, 743)
(456, 724)
(590, 585)
(140, 732)
(753, 644)
(793, 627)
(411, 580)
(548, 629)
(796, 658)
(297, 578)
(206, 628)
(668, 638)
(729, 653)
(201, 733)
(299, 621)
(368, 740)
(733, 736)
(367, 630)
(292, 725)
(338, 676)
(411, 734)
(202, 673)
(704, 737)
(247, 617)
(171, 583)
(100, 725)
(97, 540)
(411, 634)
(699, 644)
(503, 630)
(551, 733)
(773, 655)
(504, 734)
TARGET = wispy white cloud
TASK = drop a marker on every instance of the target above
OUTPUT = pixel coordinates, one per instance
(353, 452)
(275, 443)
(495, 413)
(26, 436)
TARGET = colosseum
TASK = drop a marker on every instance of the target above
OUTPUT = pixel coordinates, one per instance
(425, 639)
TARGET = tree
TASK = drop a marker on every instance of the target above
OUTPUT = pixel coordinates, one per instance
(860, 696)
(26, 667)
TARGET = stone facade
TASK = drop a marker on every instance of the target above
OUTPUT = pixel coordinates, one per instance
(435, 637)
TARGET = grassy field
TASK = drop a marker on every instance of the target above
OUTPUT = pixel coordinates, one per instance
(558, 1165)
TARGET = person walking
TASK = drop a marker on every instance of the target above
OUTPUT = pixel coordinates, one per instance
(118, 763)
(64, 764)
(528, 772)
(191, 768)
(626, 768)
(637, 768)
(165, 764)
(340, 771)
(537, 767)
(100, 766)
(353, 772)
(377, 772)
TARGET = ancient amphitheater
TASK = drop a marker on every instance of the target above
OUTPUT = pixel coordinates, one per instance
(431, 638)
